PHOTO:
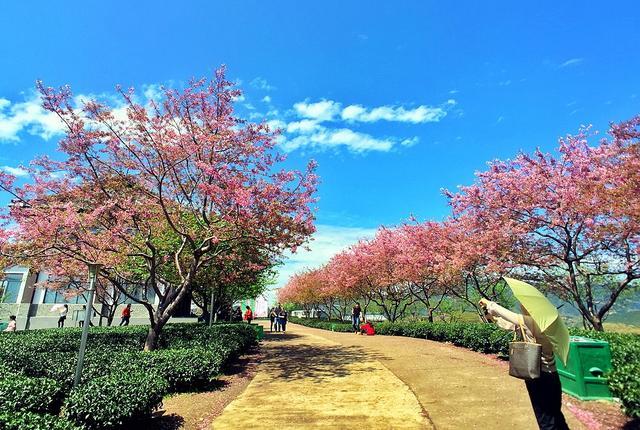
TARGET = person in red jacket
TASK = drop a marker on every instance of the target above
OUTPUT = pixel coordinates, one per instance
(248, 315)
(126, 314)
(367, 328)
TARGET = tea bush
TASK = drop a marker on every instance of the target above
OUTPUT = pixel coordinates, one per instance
(22, 393)
(38, 367)
(17, 420)
(112, 401)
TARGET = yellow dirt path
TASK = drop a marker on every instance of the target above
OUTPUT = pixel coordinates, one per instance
(459, 388)
(308, 382)
(314, 378)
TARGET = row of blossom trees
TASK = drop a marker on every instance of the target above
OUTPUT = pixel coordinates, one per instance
(568, 223)
(164, 194)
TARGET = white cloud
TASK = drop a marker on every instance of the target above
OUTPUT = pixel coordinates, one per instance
(266, 99)
(421, 114)
(571, 62)
(27, 116)
(303, 126)
(153, 92)
(327, 241)
(324, 138)
(239, 98)
(418, 115)
(329, 110)
(276, 124)
(324, 110)
(312, 131)
(15, 171)
(352, 112)
(261, 84)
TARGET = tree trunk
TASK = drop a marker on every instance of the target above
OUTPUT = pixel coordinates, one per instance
(151, 342)
(596, 323)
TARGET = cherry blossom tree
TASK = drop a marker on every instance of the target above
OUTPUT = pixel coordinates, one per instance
(424, 262)
(154, 191)
(572, 218)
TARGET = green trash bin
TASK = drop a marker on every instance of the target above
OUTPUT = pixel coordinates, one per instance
(3, 325)
(583, 376)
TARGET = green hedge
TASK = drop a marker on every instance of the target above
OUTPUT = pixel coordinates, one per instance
(22, 393)
(624, 381)
(339, 326)
(115, 400)
(190, 357)
(31, 421)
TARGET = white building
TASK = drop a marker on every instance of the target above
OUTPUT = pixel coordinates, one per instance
(34, 306)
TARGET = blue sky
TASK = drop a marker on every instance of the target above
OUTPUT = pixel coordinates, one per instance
(395, 100)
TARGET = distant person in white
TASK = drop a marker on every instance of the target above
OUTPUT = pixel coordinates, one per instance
(63, 315)
(12, 324)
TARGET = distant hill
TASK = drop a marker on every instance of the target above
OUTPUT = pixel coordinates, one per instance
(625, 317)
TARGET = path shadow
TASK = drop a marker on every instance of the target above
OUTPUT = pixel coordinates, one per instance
(280, 336)
(314, 362)
(158, 421)
(245, 364)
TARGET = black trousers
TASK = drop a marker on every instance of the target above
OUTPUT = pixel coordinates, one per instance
(545, 393)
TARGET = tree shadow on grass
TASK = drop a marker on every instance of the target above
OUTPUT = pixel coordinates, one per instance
(158, 421)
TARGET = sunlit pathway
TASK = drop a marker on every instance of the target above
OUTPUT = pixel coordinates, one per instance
(309, 382)
(458, 388)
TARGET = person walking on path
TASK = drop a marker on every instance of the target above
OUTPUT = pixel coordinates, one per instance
(12, 324)
(126, 315)
(283, 320)
(248, 315)
(272, 319)
(81, 315)
(278, 313)
(545, 392)
(63, 315)
(355, 317)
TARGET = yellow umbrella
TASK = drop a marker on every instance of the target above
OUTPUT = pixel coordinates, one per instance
(544, 313)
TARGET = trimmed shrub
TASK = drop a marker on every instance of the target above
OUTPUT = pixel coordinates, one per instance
(32, 421)
(119, 381)
(339, 326)
(112, 401)
(624, 382)
(22, 393)
(188, 369)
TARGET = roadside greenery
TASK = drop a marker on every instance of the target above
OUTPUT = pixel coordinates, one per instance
(121, 383)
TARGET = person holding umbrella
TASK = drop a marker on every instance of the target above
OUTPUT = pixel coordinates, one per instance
(539, 323)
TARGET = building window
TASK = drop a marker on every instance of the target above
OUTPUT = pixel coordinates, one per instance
(52, 296)
(10, 287)
(140, 293)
